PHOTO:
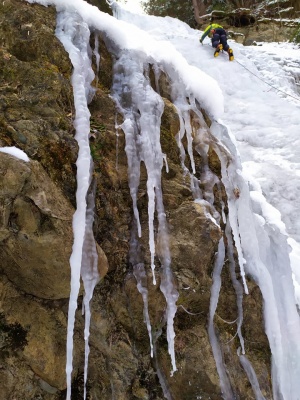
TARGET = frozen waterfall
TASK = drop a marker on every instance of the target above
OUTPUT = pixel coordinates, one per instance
(261, 244)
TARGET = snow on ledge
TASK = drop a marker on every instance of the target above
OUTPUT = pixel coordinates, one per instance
(14, 151)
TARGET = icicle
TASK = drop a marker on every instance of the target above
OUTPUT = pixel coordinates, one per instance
(185, 130)
(74, 35)
(232, 192)
(179, 137)
(117, 143)
(139, 272)
(89, 273)
(157, 73)
(224, 219)
(236, 284)
(188, 132)
(160, 374)
(140, 275)
(215, 291)
(133, 166)
(166, 284)
(97, 55)
(252, 377)
(166, 163)
(195, 188)
(135, 98)
(207, 178)
(142, 108)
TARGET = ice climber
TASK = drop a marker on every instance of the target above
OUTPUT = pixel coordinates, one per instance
(218, 39)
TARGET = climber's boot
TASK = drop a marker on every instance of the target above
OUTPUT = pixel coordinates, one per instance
(218, 49)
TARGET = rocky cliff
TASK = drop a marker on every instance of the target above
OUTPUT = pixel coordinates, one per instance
(37, 204)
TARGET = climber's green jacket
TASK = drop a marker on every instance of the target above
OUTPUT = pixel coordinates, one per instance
(208, 30)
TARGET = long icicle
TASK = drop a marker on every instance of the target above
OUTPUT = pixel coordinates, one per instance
(74, 35)
(215, 291)
(166, 284)
(139, 272)
(236, 284)
(89, 273)
(252, 377)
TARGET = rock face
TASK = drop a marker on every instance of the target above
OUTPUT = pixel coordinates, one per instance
(36, 230)
(37, 203)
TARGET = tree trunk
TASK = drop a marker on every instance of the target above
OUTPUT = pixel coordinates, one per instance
(199, 10)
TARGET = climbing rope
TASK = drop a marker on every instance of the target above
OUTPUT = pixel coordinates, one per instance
(267, 83)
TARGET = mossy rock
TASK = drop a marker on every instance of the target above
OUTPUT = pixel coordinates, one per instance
(296, 37)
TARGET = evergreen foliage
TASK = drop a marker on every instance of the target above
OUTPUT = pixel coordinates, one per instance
(296, 38)
(102, 5)
(181, 9)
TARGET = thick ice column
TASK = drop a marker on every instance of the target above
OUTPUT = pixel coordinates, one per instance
(263, 244)
(142, 108)
(74, 35)
(214, 297)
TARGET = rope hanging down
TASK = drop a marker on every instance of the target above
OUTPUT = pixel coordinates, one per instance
(279, 90)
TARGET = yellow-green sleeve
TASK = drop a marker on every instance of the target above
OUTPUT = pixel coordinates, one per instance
(205, 33)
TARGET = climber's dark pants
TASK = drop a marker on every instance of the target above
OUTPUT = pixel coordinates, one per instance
(220, 37)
